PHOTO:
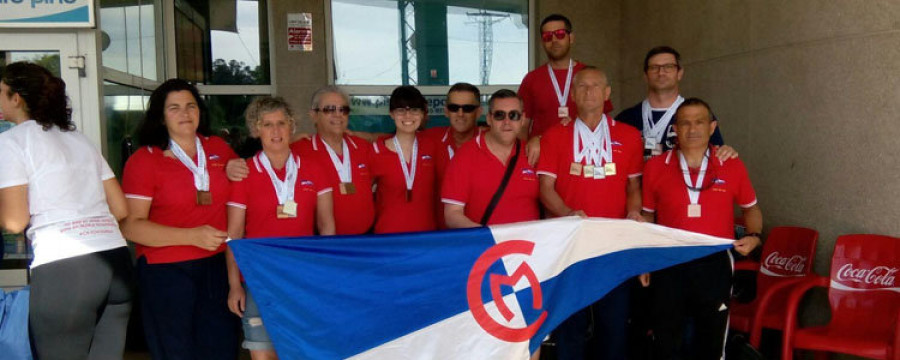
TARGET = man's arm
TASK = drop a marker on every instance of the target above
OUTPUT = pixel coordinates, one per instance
(456, 218)
(753, 221)
(633, 204)
(367, 136)
(552, 201)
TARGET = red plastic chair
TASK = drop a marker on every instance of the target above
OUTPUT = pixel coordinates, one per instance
(864, 295)
(787, 257)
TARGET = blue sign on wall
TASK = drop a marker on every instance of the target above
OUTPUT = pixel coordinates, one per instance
(46, 13)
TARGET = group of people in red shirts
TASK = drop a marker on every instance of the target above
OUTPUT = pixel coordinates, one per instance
(550, 150)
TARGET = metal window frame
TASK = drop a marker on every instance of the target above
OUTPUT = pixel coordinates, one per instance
(428, 90)
(212, 90)
(135, 81)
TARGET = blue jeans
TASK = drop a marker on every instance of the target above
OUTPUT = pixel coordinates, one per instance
(255, 335)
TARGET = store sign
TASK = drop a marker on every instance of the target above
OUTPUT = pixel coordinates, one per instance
(46, 13)
(299, 35)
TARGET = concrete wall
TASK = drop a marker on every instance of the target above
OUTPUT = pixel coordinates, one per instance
(596, 24)
(298, 74)
(807, 91)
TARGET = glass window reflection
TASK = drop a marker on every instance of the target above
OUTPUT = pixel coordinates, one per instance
(437, 42)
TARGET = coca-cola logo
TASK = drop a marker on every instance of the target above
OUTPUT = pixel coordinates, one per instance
(881, 276)
(789, 263)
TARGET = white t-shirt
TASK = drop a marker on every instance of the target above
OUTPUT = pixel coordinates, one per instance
(64, 173)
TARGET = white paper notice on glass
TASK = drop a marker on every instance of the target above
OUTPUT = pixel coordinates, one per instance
(299, 32)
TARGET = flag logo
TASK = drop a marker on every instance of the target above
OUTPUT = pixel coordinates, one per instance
(476, 277)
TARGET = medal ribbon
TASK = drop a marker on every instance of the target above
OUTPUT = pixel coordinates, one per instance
(561, 96)
(201, 175)
(657, 131)
(342, 167)
(284, 190)
(693, 195)
(596, 145)
(409, 173)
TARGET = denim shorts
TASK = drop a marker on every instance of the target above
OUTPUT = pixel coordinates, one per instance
(255, 335)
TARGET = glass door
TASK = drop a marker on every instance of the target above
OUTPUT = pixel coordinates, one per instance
(56, 52)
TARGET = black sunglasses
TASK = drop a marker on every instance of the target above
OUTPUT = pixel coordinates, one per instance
(465, 108)
(331, 109)
(500, 115)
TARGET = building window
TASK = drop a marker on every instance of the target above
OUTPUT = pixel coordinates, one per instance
(429, 42)
(129, 37)
(228, 46)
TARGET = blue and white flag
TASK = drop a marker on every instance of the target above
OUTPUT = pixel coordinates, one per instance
(462, 294)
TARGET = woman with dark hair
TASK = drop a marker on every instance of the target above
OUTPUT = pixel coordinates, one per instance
(176, 191)
(403, 167)
(55, 184)
(284, 195)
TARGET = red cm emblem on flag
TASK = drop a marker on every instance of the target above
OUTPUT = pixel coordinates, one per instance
(476, 276)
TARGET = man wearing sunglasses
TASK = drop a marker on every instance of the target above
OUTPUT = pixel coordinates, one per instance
(653, 116)
(592, 167)
(462, 109)
(691, 188)
(545, 90)
(480, 166)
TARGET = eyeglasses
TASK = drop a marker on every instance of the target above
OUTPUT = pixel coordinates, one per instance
(500, 115)
(665, 68)
(548, 35)
(467, 108)
(408, 110)
(331, 109)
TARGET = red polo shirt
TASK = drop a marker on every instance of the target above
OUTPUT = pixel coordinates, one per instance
(393, 212)
(601, 197)
(725, 184)
(447, 148)
(474, 176)
(539, 97)
(256, 195)
(169, 186)
(353, 213)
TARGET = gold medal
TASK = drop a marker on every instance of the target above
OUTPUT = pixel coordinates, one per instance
(288, 210)
(589, 171)
(562, 112)
(204, 197)
(348, 189)
(609, 169)
(283, 212)
(693, 210)
(575, 169)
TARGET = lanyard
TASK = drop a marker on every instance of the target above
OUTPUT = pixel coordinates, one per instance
(596, 145)
(656, 131)
(561, 96)
(201, 176)
(284, 190)
(693, 193)
(409, 173)
(342, 167)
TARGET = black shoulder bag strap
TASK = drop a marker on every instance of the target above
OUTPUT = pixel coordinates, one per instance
(497, 195)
